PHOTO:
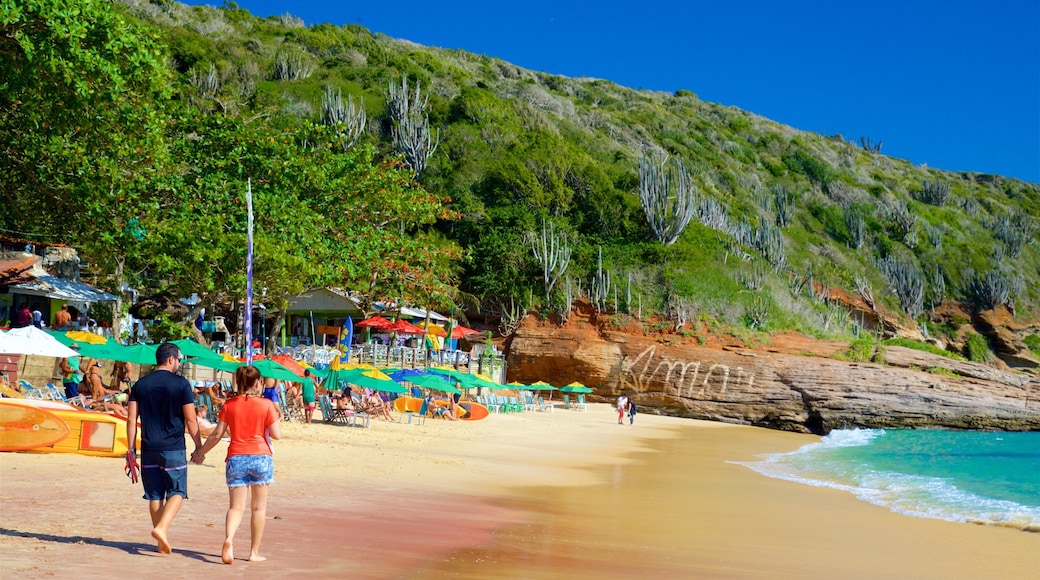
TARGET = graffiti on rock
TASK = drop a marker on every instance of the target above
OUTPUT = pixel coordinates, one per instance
(681, 378)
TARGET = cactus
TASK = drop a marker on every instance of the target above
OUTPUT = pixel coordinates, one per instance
(552, 250)
(857, 227)
(756, 314)
(935, 234)
(769, 242)
(667, 195)
(903, 217)
(784, 204)
(905, 281)
(934, 192)
(600, 286)
(993, 288)
(869, 146)
(292, 66)
(753, 278)
(1013, 232)
(346, 119)
(410, 125)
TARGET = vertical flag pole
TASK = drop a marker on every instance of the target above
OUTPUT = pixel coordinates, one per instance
(248, 323)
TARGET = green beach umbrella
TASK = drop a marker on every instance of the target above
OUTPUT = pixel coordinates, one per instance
(190, 348)
(374, 380)
(434, 382)
(575, 387)
(272, 370)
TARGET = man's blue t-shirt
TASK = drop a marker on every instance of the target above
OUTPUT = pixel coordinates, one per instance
(160, 398)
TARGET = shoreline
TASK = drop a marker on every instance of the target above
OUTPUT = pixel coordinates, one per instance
(422, 501)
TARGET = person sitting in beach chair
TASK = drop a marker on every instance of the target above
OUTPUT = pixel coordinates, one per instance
(376, 407)
(441, 411)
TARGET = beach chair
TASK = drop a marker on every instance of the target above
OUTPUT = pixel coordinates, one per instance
(420, 416)
(30, 391)
(543, 406)
(329, 413)
(59, 395)
(527, 398)
(581, 405)
(289, 410)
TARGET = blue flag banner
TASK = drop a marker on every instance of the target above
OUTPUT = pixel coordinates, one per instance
(248, 322)
(346, 337)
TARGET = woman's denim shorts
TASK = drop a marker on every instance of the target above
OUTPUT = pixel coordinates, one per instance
(242, 470)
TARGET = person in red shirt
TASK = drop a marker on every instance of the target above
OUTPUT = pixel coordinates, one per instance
(252, 421)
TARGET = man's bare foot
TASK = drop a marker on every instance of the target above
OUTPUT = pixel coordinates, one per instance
(164, 545)
(256, 558)
(227, 554)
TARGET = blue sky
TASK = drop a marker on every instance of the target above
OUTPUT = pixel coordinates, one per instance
(954, 84)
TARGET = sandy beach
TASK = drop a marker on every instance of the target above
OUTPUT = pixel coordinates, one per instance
(532, 495)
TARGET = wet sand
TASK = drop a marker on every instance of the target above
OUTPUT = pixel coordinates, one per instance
(532, 495)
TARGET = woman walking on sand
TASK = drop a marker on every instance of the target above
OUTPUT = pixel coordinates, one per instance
(252, 421)
(622, 406)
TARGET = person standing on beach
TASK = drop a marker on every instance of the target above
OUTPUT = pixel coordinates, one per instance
(622, 405)
(166, 405)
(308, 395)
(631, 411)
(253, 422)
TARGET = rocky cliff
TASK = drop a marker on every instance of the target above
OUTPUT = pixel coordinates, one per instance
(771, 386)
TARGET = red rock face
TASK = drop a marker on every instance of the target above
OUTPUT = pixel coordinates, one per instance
(770, 386)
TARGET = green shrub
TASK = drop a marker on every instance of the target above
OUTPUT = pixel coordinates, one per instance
(941, 371)
(860, 350)
(922, 346)
(1033, 343)
(978, 348)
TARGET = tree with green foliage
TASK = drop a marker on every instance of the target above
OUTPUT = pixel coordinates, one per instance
(83, 92)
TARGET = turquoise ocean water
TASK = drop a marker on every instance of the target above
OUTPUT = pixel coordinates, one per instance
(963, 476)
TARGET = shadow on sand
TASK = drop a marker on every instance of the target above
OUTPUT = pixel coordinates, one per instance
(134, 548)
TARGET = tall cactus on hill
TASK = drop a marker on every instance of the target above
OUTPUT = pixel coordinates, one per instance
(346, 120)
(553, 251)
(410, 125)
(667, 194)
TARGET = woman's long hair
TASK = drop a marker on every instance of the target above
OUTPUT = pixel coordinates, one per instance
(245, 378)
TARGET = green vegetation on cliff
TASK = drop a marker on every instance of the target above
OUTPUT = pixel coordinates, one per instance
(777, 214)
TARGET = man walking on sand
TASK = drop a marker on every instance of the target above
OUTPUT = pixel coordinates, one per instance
(166, 405)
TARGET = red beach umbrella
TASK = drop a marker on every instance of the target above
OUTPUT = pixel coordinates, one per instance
(404, 327)
(289, 363)
(462, 331)
(376, 323)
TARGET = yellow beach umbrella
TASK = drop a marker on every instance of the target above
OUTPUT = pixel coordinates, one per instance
(87, 337)
(433, 329)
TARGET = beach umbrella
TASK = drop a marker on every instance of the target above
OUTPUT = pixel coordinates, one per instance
(82, 336)
(193, 349)
(542, 386)
(289, 363)
(461, 331)
(376, 323)
(32, 340)
(272, 370)
(449, 372)
(375, 380)
(575, 387)
(404, 327)
(141, 354)
(435, 382)
(228, 366)
(433, 329)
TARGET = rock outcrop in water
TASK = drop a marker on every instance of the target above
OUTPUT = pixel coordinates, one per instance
(773, 386)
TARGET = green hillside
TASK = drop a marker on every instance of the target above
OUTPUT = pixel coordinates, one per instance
(774, 210)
